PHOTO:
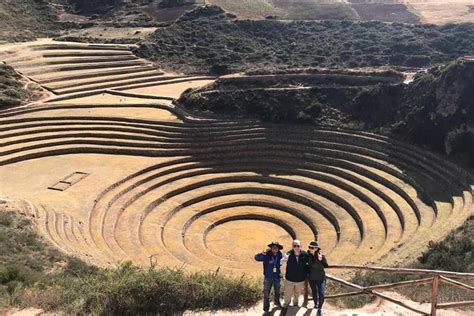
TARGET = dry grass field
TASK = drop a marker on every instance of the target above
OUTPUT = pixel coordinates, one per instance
(111, 170)
(441, 12)
(425, 11)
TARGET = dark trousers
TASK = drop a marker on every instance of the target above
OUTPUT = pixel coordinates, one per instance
(267, 287)
(318, 288)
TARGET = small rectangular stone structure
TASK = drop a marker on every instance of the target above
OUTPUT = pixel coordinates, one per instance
(69, 181)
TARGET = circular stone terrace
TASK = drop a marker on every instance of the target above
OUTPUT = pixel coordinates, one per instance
(111, 170)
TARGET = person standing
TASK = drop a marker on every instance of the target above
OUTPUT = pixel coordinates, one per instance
(271, 259)
(296, 274)
(317, 275)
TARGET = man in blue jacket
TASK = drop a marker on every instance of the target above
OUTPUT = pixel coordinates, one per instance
(271, 270)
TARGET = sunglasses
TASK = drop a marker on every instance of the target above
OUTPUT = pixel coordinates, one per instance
(296, 246)
(312, 247)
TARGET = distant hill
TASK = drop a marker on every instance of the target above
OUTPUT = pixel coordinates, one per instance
(314, 10)
(404, 11)
(27, 19)
(208, 37)
(408, 11)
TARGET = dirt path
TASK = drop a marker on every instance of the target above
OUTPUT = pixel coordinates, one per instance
(377, 308)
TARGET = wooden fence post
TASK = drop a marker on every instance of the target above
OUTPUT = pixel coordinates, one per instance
(434, 295)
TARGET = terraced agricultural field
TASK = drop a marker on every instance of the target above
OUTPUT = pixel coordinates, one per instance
(112, 170)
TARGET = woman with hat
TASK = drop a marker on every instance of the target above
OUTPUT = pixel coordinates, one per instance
(317, 275)
(271, 271)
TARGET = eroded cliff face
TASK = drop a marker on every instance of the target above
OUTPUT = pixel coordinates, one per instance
(439, 107)
(454, 90)
(455, 109)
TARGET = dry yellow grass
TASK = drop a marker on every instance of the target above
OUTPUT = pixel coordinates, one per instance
(429, 11)
(442, 12)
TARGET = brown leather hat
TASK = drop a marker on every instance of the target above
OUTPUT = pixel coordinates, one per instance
(275, 243)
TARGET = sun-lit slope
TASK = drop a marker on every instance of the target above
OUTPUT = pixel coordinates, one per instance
(247, 8)
(287, 9)
(408, 11)
(442, 12)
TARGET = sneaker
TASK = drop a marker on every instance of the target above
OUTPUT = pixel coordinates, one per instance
(277, 304)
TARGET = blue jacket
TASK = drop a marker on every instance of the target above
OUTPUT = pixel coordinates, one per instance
(270, 261)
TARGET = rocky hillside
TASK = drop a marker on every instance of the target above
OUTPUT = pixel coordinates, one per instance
(14, 90)
(435, 110)
(27, 19)
(208, 37)
(440, 110)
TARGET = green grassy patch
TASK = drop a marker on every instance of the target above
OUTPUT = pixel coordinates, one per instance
(33, 274)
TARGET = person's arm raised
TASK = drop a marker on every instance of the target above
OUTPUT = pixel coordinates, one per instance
(284, 259)
(325, 262)
(260, 256)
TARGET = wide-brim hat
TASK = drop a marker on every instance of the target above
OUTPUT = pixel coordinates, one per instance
(276, 244)
(314, 244)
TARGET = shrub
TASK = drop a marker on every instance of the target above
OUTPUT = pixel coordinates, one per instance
(207, 29)
(219, 70)
(56, 282)
(129, 289)
(12, 92)
(454, 253)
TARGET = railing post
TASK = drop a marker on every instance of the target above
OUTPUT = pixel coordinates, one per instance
(434, 294)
